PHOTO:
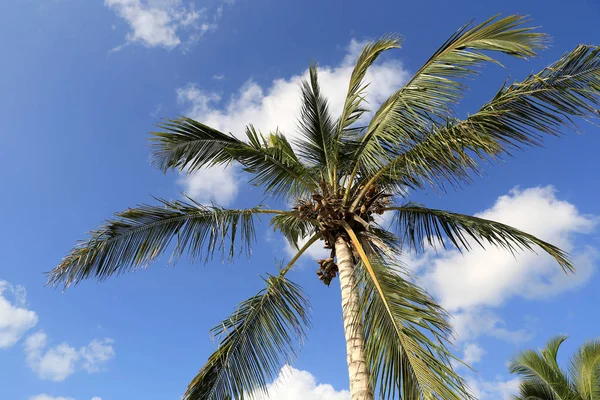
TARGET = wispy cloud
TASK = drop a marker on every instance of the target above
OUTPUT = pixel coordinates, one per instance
(164, 23)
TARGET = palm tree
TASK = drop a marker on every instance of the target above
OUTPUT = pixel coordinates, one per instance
(543, 379)
(340, 175)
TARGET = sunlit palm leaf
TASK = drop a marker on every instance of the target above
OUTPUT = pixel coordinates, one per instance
(255, 342)
(532, 390)
(137, 236)
(542, 369)
(420, 225)
(584, 370)
(405, 333)
(427, 99)
(520, 114)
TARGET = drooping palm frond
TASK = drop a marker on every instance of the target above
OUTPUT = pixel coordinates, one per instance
(316, 126)
(419, 225)
(137, 236)
(406, 332)
(519, 115)
(188, 145)
(427, 99)
(541, 369)
(256, 341)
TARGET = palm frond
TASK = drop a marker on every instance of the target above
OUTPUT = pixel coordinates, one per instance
(274, 164)
(256, 341)
(534, 367)
(353, 110)
(188, 145)
(534, 390)
(316, 126)
(427, 99)
(405, 333)
(520, 114)
(419, 225)
(584, 370)
(292, 227)
(137, 236)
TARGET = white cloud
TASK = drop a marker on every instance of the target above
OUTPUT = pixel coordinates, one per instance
(160, 23)
(61, 361)
(494, 390)
(15, 318)
(469, 285)
(314, 252)
(216, 184)
(277, 105)
(472, 353)
(48, 397)
(293, 384)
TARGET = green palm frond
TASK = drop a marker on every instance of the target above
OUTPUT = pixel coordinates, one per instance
(275, 166)
(353, 110)
(419, 225)
(406, 333)
(137, 236)
(316, 126)
(533, 390)
(519, 115)
(188, 145)
(427, 99)
(584, 370)
(542, 369)
(256, 341)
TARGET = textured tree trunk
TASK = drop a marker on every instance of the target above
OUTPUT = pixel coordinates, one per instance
(360, 388)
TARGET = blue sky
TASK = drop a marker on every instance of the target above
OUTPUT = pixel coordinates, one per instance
(83, 82)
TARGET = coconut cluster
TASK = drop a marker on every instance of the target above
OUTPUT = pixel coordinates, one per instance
(328, 211)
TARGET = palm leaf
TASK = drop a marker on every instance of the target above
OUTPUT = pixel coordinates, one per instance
(137, 236)
(274, 164)
(292, 227)
(405, 333)
(316, 126)
(585, 370)
(255, 342)
(418, 225)
(188, 145)
(541, 368)
(519, 115)
(427, 99)
(534, 390)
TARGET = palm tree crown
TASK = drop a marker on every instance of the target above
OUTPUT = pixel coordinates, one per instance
(339, 175)
(543, 379)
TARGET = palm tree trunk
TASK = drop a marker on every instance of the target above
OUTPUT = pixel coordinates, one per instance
(360, 388)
